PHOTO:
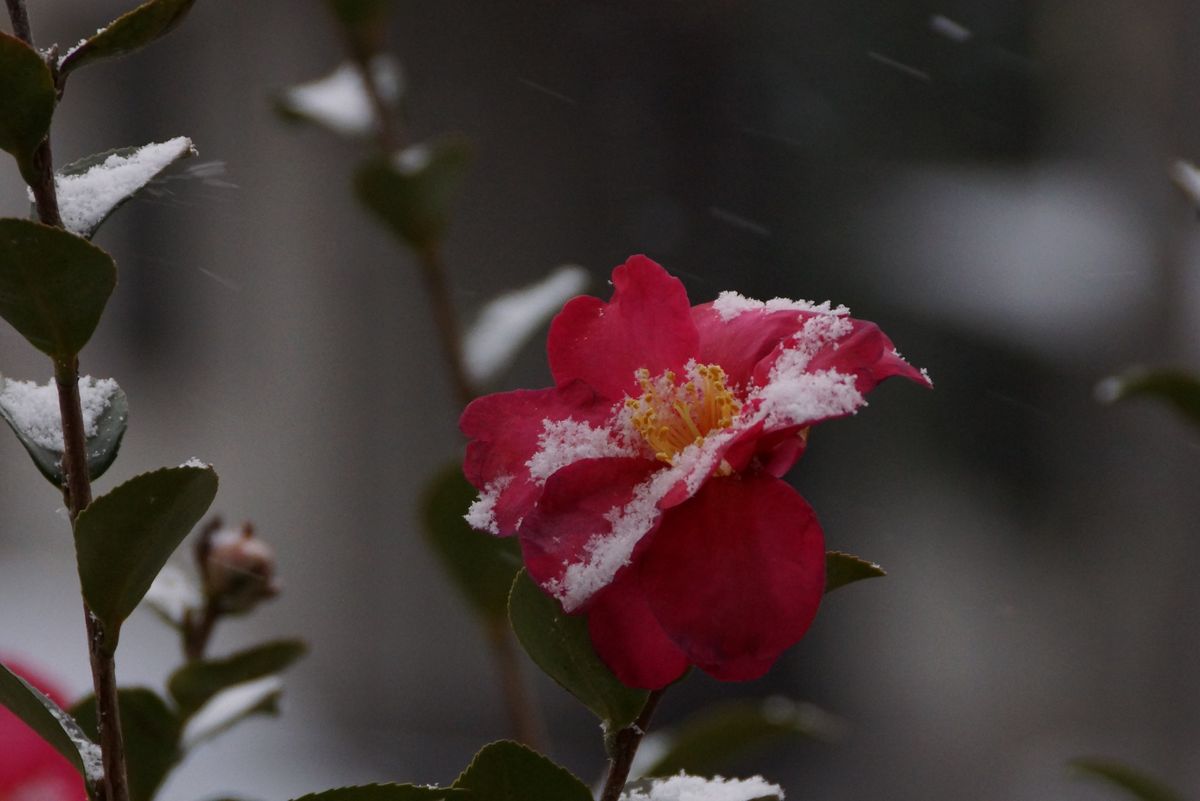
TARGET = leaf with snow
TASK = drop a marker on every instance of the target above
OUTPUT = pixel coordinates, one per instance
(123, 539)
(231, 706)
(53, 286)
(508, 771)
(195, 684)
(697, 788)
(843, 568)
(411, 191)
(52, 724)
(27, 99)
(508, 321)
(151, 733)
(127, 33)
(340, 101)
(172, 594)
(1178, 388)
(32, 412)
(91, 189)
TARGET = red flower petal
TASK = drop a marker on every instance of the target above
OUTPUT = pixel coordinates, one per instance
(629, 639)
(504, 429)
(573, 510)
(741, 342)
(735, 575)
(647, 323)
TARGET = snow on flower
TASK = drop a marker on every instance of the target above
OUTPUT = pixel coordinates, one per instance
(645, 486)
(30, 768)
(683, 787)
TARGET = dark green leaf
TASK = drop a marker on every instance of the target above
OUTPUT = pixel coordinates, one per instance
(412, 191)
(387, 792)
(101, 447)
(196, 682)
(51, 723)
(1136, 783)
(355, 13)
(1176, 387)
(508, 771)
(842, 569)
(85, 216)
(127, 33)
(27, 98)
(53, 286)
(481, 565)
(151, 731)
(124, 537)
(709, 740)
(560, 645)
(231, 706)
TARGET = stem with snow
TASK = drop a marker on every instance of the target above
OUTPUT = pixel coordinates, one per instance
(625, 749)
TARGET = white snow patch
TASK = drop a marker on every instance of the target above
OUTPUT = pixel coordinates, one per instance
(482, 514)
(194, 462)
(1185, 176)
(84, 200)
(173, 593)
(340, 102)
(697, 788)
(89, 753)
(729, 305)
(564, 442)
(34, 408)
(507, 322)
(949, 28)
(227, 707)
(411, 160)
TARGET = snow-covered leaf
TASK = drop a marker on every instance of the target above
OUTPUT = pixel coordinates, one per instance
(151, 734)
(698, 788)
(560, 645)
(53, 286)
(843, 568)
(32, 412)
(507, 322)
(172, 593)
(27, 99)
(1137, 784)
(123, 539)
(1176, 387)
(340, 102)
(412, 191)
(127, 33)
(231, 706)
(508, 771)
(481, 565)
(194, 684)
(52, 724)
(387, 792)
(91, 189)
(718, 734)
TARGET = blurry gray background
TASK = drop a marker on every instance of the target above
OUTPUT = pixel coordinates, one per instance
(992, 192)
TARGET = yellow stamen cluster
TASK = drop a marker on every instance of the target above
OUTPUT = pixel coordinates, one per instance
(671, 416)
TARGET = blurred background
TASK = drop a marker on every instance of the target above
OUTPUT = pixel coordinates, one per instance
(986, 180)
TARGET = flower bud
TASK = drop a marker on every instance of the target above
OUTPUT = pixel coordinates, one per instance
(238, 570)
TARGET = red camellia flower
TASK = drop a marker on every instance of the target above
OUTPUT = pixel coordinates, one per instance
(645, 485)
(30, 769)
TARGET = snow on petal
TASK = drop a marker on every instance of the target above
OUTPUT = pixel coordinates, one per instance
(84, 200)
(731, 304)
(340, 102)
(34, 409)
(683, 787)
(507, 322)
(564, 442)
(482, 513)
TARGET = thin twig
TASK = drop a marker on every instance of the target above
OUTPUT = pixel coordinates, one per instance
(445, 319)
(20, 21)
(625, 749)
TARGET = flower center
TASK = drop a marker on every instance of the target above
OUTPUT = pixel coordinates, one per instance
(671, 416)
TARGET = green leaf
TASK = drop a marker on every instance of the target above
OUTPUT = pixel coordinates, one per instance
(53, 286)
(508, 771)
(412, 191)
(196, 682)
(355, 13)
(560, 645)
(127, 33)
(51, 723)
(27, 98)
(387, 792)
(101, 447)
(482, 566)
(80, 203)
(231, 706)
(1176, 387)
(1137, 784)
(124, 538)
(722, 732)
(842, 569)
(151, 732)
